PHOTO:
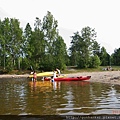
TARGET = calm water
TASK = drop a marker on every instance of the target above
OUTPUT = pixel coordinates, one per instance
(24, 97)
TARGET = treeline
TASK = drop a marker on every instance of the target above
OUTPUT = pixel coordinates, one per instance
(44, 49)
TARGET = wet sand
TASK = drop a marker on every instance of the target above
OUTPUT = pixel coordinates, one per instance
(111, 77)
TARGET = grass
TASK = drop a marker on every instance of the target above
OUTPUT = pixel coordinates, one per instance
(68, 70)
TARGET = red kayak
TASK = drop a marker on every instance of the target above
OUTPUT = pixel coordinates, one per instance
(81, 78)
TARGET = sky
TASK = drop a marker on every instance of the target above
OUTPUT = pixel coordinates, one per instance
(72, 16)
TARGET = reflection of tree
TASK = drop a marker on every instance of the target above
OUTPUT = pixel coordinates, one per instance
(99, 90)
(12, 96)
(104, 98)
(76, 95)
(45, 97)
(26, 97)
(85, 99)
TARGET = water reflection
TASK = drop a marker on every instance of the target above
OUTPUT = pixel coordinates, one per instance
(105, 99)
(12, 94)
(24, 97)
(44, 86)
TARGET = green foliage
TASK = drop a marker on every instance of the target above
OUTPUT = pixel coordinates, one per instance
(94, 62)
(115, 58)
(44, 49)
(83, 46)
(10, 43)
(104, 57)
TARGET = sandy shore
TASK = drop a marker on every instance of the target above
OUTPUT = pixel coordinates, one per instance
(14, 76)
(112, 77)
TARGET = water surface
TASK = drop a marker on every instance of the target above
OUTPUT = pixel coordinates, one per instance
(24, 97)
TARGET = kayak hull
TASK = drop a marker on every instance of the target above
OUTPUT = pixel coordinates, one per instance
(81, 78)
(43, 74)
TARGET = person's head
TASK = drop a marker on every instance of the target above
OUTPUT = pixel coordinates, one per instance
(51, 77)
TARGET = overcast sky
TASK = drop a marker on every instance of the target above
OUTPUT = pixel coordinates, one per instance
(72, 16)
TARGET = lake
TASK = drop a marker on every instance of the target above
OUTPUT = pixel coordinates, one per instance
(24, 97)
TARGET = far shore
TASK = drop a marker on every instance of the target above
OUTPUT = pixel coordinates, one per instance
(111, 77)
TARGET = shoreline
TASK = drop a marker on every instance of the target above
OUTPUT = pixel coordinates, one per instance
(14, 76)
(111, 77)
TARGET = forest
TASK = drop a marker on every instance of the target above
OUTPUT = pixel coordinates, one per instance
(42, 48)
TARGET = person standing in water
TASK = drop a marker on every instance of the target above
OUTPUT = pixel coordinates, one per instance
(54, 76)
(53, 80)
(34, 76)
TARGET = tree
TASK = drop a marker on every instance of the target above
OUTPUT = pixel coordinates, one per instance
(11, 40)
(60, 53)
(94, 61)
(15, 43)
(4, 38)
(104, 57)
(55, 49)
(83, 47)
(74, 49)
(38, 44)
(116, 57)
(27, 47)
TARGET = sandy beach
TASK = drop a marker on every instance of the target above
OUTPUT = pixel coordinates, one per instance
(111, 77)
